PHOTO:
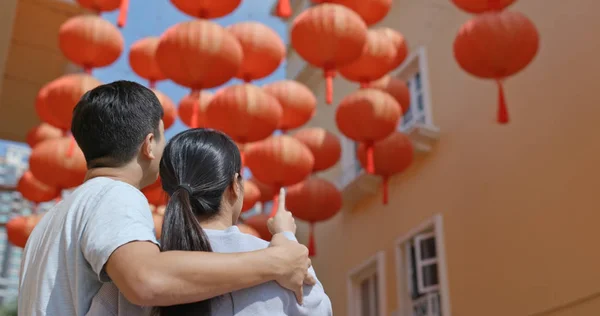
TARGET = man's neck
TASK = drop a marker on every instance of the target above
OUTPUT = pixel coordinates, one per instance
(124, 174)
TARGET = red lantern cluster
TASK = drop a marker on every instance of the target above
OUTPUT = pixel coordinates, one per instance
(495, 44)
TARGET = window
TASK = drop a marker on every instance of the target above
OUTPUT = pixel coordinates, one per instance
(421, 271)
(414, 71)
(366, 288)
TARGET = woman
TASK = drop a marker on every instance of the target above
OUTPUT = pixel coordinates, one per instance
(201, 171)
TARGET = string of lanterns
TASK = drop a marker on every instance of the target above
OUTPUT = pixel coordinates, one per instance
(332, 35)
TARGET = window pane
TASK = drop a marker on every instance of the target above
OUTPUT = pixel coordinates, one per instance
(428, 249)
(430, 275)
(414, 290)
(418, 81)
(365, 302)
(420, 102)
(376, 294)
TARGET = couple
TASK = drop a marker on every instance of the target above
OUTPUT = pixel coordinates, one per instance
(95, 253)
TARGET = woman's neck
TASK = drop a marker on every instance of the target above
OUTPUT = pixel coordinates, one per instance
(221, 221)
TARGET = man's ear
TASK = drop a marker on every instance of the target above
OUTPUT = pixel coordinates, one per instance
(148, 146)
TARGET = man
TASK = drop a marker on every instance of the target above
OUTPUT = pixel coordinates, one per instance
(103, 232)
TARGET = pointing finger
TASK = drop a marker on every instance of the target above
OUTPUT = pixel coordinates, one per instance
(281, 206)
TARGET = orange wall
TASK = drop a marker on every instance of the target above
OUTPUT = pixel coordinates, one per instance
(32, 58)
(519, 202)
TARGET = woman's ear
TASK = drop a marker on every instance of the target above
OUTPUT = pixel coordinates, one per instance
(237, 185)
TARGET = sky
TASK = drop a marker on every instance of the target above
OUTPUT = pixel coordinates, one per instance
(151, 18)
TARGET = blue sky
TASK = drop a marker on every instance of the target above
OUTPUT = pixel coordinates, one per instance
(151, 18)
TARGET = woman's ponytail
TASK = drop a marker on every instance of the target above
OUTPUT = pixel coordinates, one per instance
(182, 231)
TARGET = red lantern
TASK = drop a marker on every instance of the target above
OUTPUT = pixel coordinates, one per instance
(371, 11)
(391, 156)
(297, 101)
(259, 224)
(51, 164)
(314, 200)
(263, 50)
(279, 161)
(244, 112)
(248, 230)
(142, 59)
(90, 41)
(396, 39)
(192, 109)
(155, 193)
(329, 36)
(206, 9)
(376, 60)
(251, 195)
(367, 116)
(42, 132)
(170, 113)
(56, 100)
(35, 190)
(496, 46)
(267, 192)
(199, 54)
(396, 88)
(481, 6)
(324, 145)
(19, 228)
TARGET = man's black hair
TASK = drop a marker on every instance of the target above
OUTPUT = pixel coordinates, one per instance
(111, 121)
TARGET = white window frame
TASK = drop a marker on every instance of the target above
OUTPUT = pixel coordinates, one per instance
(374, 266)
(416, 62)
(423, 263)
(433, 226)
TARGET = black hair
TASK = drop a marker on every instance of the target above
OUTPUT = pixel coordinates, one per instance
(111, 121)
(197, 166)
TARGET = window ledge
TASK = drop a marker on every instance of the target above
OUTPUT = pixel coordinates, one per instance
(357, 185)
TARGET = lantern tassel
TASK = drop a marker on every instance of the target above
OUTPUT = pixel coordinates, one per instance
(312, 251)
(71, 147)
(385, 189)
(364, 85)
(152, 84)
(284, 9)
(274, 206)
(87, 70)
(502, 109)
(195, 109)
(123, 13)
(370, 158)
(329, 75)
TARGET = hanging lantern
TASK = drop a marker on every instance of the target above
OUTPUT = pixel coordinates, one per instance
(496, 46)
(42, 132)
(279, 161)
(481, 6)
(170, 113)
(329, 36)
(51, 164)
(371, 11)
(155, 194)
(19, 228)
(251, 195)
(396, 88)
(245, 229)
(90, 41)
(199, 54)
(367, 116)
(391, 156)
(259, 224)
(56, 100)
(324, 145)
(375, 62)
(314, 200)
(263, 50)
(396, 39)
(267, 192)
(192, 109)
(142, 60)
(206, 9)
(244, 112)
(297, 102)
(35, 190)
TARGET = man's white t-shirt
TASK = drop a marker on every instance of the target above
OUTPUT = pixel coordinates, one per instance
(63, 262)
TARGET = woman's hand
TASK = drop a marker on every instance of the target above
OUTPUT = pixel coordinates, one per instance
(283, 221)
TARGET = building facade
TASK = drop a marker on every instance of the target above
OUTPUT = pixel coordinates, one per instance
(490, 219)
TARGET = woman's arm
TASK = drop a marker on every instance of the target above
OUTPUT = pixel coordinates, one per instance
(151, 278)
